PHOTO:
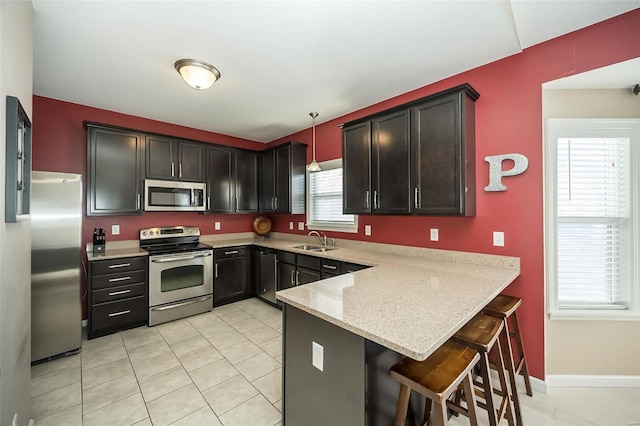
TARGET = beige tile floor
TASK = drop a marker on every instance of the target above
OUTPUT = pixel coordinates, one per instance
(224, 368)
(219, 368)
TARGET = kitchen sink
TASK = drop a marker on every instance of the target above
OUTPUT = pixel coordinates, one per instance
(314, 248)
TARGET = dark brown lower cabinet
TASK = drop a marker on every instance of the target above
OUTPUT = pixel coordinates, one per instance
(117, 290)
(231, 281)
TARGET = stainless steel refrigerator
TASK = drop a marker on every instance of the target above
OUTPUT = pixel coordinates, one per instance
(56, 225)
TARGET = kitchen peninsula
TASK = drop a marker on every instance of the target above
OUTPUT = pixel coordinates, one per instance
(342, 334)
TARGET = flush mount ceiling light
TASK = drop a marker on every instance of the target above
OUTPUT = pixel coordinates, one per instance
(313, 166)
(197, 74)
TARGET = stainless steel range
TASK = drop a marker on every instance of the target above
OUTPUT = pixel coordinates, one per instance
(180, 272)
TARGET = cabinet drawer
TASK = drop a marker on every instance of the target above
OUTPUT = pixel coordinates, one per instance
(115, 266)
(352, 267)
(120, 313)
(118, 293)
(117, 280)
(229, 252)
(310, 262)
(287, 257)
(331, 266)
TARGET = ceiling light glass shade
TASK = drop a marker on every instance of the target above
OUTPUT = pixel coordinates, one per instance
(197, 74)
(313, 167)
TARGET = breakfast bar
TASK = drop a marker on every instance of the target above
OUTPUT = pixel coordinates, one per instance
(342, 334)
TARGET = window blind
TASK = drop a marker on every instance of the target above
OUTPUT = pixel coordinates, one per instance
(593, 215)
(325, 198)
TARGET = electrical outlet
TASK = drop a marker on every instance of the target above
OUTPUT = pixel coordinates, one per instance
(115, 229)
(367, 230)
(498, 239)
(433, 234)
(300, 226)
(291, 226)
(217, 226)
(317, 356)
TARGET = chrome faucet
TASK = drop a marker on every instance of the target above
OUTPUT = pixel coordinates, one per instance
(323, 238)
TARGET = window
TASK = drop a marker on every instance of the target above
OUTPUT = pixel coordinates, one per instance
(324, 200)
(592, 217)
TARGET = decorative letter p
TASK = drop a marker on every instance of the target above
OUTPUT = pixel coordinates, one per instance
(496, 173)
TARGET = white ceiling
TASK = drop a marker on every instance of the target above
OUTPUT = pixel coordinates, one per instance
(279, 60)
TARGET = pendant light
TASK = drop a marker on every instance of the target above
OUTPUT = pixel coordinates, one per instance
(313, 166)
(197, 74)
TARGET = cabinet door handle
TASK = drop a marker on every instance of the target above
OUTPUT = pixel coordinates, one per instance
(367, 199)
(115, 280)
(376, 204)
(179, 170)
(138, 201)
(329, 267)
(292, 282)
(231, 252)
(276, 198)
(415, 197)
(236, 203)
(216, 272)
(273, 203)
(119, 265)
(115, 314)
(115, 293)
(297, 277)
(172, 170)
(208, 203)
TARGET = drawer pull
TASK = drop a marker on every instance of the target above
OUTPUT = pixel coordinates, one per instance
(178, 305)
(231, 252)
(119, 265)
(329, 266)
(114, 280)
(115, 293)
(115, 314)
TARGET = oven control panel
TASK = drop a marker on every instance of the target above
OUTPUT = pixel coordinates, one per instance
(170, 231)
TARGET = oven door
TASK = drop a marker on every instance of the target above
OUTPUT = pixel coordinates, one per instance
(180, 276)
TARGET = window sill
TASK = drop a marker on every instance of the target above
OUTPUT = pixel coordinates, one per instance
(321, 227)
(594, 316)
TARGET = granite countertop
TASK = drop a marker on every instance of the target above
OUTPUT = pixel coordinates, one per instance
(411, 301)
(411, 305)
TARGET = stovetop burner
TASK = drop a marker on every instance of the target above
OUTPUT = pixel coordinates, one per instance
(173, 239)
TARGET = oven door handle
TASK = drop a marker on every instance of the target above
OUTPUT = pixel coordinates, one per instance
(178, 259)
(177, 305)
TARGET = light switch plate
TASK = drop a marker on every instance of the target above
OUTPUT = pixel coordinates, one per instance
(291, 226)
(115, 229)
(300, 226)
(433, 234)
(317, 355)
(498, 239)
(367, 230)
(217, 226)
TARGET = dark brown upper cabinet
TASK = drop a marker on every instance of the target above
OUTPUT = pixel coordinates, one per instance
(382, 182)
(232, 181)
(115, 169)
(172, 159)
(416, 158)
(282, 179)
(443, 178)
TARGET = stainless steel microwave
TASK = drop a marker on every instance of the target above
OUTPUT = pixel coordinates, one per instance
(166, 195)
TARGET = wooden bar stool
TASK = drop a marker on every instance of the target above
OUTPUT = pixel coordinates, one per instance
(504, 307)
(437, 378)
(484, 333)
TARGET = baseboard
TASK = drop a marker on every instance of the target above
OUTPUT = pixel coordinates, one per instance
(537, 385)
(588, 381)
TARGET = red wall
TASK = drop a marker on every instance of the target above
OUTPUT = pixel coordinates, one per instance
(508, 119)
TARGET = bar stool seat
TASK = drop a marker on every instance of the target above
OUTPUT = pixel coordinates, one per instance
(437, 378)
(506, 307)
(487, 334)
